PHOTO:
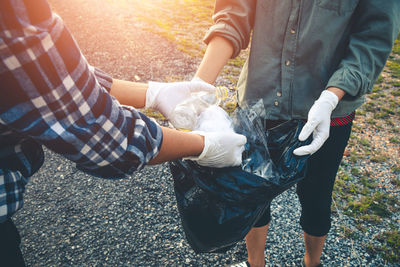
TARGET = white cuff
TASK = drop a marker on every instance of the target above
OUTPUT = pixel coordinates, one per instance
(206, 146)
(151, 94)
(329, 97)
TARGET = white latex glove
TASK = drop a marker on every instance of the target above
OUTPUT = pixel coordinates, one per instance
(198, 79)
(318, 123)
(221, 149)
(165, 96)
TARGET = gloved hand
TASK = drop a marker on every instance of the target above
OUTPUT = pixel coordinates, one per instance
(318, 123)
(221, 149)
(165, 96)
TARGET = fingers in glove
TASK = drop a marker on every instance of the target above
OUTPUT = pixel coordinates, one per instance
(241, 140)
(239, 156)
(308, 128)
(304, 150)
(318, 141)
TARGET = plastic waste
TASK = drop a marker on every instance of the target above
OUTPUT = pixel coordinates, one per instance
(219, 206)
(214, 119)
(186, 113)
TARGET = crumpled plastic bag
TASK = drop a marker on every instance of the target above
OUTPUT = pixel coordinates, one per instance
(214, 119)
(186, 114)
(219, 206)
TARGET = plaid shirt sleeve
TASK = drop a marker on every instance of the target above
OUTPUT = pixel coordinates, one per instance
(52, 95)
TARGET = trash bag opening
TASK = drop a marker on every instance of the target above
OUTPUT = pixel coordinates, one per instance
(219, 206)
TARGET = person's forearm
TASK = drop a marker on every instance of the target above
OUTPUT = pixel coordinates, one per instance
(178, 144)
(218, 52)
(129, 93)
(337, 91)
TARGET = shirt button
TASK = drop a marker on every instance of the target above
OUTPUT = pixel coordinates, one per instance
(287, 63)
(279, 94)
(276, 103)
(292, 31)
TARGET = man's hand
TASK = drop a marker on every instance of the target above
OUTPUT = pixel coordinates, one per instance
(221, 149)
(318, 123)
(165, 96)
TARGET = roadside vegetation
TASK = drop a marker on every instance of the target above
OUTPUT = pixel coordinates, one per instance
(368, 183)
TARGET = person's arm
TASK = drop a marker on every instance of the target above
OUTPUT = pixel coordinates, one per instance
(178, 144)
(55, 97)
(376, 26)
(233, 23)
(163, 97)
(219, 51)
(175, 144)
(337, 91)
(129, 93)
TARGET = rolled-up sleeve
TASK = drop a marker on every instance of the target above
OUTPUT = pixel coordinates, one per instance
(376, 26)
(234, 21)
(51, 94)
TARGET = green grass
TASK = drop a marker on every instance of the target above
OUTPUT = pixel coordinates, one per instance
(237, 62)
(379, 158)
(345, 187)
(378, 204)
(396, 47)
(389, 246)
(394, 68)
(380, 79)
(365, 142)
(395, 83)
(396, 92)
(349, 233)
(357, 197)
(396, 169)
(369, 107)
(153, 114)
(355, 172)
(382, 114)
(183, 22)
(395, 181)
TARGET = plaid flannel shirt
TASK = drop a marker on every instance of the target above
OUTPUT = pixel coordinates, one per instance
(51, 96)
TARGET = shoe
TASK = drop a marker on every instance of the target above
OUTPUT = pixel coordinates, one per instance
(241, 264)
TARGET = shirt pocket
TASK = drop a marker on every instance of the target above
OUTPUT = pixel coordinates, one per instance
(340, 7)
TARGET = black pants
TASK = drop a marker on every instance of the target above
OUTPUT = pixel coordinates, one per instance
(10, 253)
(315, 191)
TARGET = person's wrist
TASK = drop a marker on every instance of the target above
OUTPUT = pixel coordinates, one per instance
(329, 98)
(197, 79)
(337, 91)
(203, 144)
(153, 89)
(201, 148)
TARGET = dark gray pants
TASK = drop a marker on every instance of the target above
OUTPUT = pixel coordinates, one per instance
(10, 253)
(315, 191)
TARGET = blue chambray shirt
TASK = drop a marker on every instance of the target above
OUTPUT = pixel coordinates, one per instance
(51, 96)
(301, 47)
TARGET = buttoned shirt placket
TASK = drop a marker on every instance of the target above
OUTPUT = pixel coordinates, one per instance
(288, 62)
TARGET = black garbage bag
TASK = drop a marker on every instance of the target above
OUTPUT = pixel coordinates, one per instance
(219, 206)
